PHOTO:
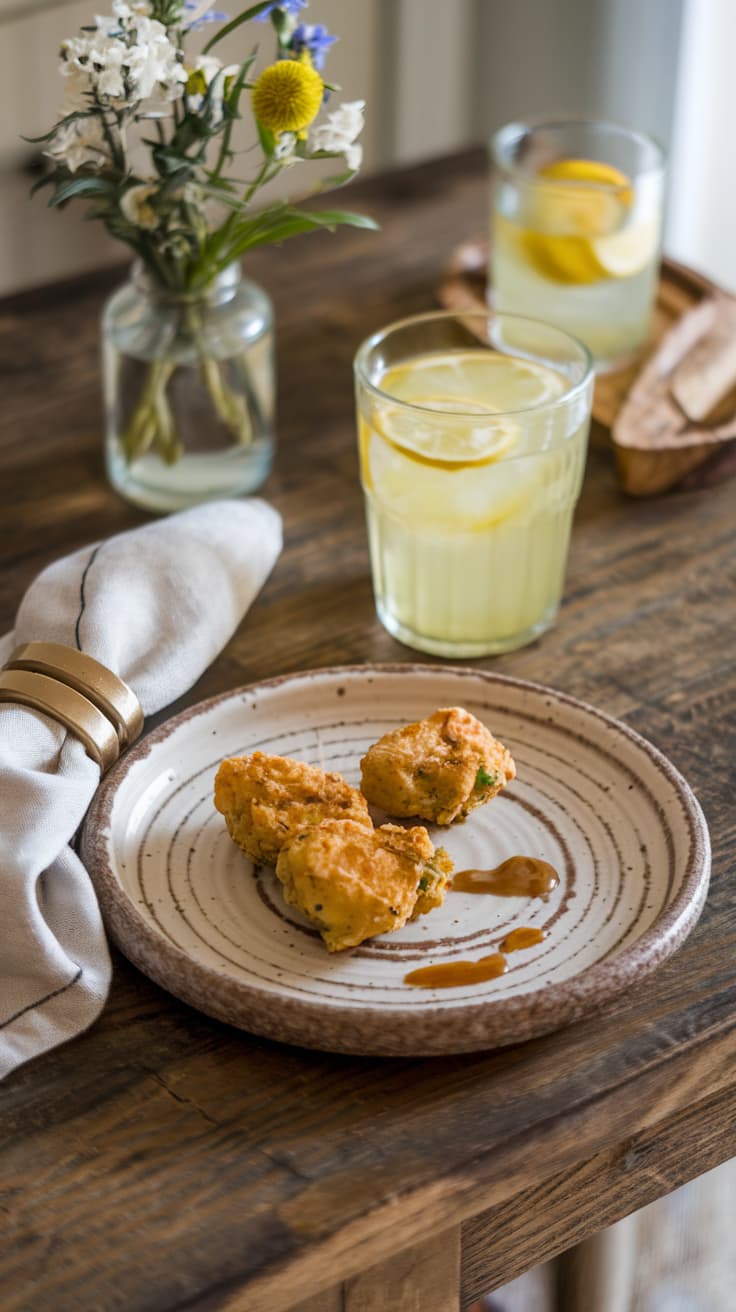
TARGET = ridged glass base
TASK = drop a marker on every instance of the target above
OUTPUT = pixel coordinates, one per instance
(463, 650)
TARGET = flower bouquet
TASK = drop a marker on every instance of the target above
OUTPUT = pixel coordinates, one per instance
(145, 136)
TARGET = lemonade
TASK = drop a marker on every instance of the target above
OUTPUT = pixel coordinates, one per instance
(576, 239)
(471, 463)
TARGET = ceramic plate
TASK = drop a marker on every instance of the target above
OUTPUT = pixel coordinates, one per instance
(606, 809)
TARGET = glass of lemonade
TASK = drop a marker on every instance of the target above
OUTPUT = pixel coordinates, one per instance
(576, 230)
(472, 430)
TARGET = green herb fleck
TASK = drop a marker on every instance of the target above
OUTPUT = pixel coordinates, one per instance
(483, 779)
(423, 884)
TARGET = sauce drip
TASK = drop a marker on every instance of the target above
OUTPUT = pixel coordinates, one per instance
(518, 876)
(523, 937)
(451, 974)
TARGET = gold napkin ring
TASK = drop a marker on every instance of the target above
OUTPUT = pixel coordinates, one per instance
(69, 707)
(89, 677)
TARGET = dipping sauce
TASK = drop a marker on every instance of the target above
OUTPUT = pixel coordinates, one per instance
(451, 974)
(523, 937)
(518, 876)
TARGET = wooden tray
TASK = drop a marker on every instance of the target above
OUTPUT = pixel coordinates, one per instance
(463, 286)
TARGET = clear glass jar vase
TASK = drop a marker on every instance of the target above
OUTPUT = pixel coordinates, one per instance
(189, 390)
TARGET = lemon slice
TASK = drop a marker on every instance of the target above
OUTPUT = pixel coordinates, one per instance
(455, 399)
(626, 253)
(561, 259)
(568, 221)
(449, 445)
(594, 174)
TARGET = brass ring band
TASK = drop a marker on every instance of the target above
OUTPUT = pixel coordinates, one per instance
(90, 678)
(68, 707)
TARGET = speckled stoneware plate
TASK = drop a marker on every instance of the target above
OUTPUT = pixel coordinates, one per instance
(609, 812)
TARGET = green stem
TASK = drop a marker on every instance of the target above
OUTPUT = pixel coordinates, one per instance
(151, 426)
(229, 406)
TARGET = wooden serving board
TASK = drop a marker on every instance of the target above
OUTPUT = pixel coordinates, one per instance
(463, 286)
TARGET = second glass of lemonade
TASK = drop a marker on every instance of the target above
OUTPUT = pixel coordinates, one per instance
(473, 432)
(576, 230)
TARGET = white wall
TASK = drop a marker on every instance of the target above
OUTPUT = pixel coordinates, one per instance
(614, 59)
(702, 212)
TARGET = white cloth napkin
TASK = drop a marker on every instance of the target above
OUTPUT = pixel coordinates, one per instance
(155, 605)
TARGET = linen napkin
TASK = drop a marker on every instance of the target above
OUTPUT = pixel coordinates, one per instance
(155, 605)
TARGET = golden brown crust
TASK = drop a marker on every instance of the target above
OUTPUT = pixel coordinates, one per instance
(267, 799)
(439, 768)
(353, 882)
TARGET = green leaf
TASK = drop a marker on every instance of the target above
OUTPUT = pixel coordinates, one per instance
(235, 23)
(332, 218)
(87, 186)
(281, 26)
(279, 224)
(171, 163)
(48, 180)
(62, 123)
(267, 140)
(231, 110)
(222, 197)
(229, 185)
(232, 93)
(337, 180)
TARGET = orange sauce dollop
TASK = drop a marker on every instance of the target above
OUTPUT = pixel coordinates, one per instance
(526, 936)
(518, 876)
(451, 974)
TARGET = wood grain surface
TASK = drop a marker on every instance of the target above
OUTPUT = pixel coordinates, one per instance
(163, 1161)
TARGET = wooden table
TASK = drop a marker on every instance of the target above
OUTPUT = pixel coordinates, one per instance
(164, 1161)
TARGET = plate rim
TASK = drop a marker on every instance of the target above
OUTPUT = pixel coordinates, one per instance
(475, 1026)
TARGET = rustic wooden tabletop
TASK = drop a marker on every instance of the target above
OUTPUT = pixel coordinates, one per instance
(164, 1161)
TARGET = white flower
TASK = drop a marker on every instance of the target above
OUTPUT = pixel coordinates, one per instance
(213, 72)
(92, 65)
(337, 136)
(123, 61)
(135, 207)
(354, 156)
(77, 87)
(153, 61)
(285, 148)
(125, 9)
(78, 143)
(109, 83)
(210, 65)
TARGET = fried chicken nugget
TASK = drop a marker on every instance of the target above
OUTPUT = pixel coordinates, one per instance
(267, 799)
(353, 882)
(439, 768)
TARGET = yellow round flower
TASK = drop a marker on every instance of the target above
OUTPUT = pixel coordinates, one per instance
(288, 96)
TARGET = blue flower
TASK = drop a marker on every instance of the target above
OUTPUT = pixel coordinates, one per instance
(211, 15)
(315, 38)
(288, 6)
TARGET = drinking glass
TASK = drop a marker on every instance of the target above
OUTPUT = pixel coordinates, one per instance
(472, 431)
(576, 230)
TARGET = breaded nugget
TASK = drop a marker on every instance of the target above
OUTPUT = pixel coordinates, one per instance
(353, 882)
(439, 768)
(267, 799)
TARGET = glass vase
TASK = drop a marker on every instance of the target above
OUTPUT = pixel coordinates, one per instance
(189, 390)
